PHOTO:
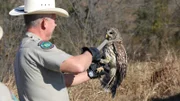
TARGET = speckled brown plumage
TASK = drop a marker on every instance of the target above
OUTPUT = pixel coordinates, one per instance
(115, 60)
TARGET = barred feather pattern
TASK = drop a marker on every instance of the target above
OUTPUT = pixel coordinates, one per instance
(115, 58)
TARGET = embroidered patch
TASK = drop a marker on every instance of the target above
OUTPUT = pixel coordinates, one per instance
(45, 44)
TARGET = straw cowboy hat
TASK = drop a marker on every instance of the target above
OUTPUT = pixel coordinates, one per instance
(1, 32)
(38, 7)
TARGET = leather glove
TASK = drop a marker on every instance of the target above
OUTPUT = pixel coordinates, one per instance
(96, 55)
(95, 71)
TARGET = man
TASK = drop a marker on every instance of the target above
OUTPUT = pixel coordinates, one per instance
(42, 71)
(5, 93)
(1, 32)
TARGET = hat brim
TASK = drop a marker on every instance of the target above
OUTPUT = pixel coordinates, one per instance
(20, 11)
(1, 32)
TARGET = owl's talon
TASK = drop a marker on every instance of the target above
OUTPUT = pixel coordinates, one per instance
(100, 69)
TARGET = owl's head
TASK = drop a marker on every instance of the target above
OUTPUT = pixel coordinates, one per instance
(113, 34)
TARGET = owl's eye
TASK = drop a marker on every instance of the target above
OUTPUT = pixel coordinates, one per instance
(111, 33)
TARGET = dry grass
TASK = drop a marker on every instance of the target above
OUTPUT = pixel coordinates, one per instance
(145, 81)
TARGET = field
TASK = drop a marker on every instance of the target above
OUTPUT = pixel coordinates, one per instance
(145, 81)
(151, 35)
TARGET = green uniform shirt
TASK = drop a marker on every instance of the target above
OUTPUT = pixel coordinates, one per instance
(37, 71)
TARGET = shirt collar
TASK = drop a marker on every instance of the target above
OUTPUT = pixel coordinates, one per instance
(33, 36)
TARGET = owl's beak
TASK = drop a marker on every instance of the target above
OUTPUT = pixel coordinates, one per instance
(107, 36)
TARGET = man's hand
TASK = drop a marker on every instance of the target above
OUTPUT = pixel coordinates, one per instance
(95, 71)
(96, 55)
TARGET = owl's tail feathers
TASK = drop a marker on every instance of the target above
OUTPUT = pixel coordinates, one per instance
(113, 90)
(118, 80)
(121, 74)
(105, 80)
(106, 77)
(105, 84)
(114, 87)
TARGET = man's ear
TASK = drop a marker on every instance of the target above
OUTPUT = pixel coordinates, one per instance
(43, 24)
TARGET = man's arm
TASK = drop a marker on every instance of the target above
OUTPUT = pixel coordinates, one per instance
(80, 63)
(93, 72)
(75, 79)
(77, 64)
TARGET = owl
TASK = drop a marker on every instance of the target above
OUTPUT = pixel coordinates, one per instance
(115, 60)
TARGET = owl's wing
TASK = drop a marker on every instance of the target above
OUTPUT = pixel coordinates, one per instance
(121, 52)
(121, 65)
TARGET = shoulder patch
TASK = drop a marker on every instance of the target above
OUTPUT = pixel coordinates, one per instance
(46, 45)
